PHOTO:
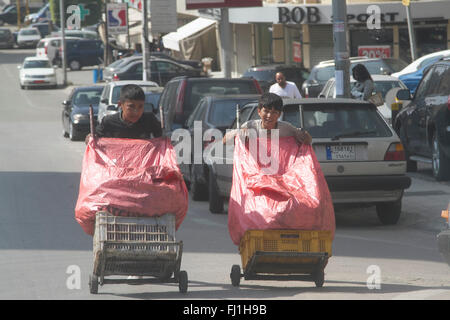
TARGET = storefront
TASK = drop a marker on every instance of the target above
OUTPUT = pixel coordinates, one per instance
(302, 34)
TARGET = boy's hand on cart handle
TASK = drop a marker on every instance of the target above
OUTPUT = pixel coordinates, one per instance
(87, 138)
(304, 137)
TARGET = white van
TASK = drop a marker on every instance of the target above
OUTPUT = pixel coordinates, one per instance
(28, 37)
(48, 47)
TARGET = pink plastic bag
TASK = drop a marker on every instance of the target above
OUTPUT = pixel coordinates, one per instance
(130, 177)
(296, 196)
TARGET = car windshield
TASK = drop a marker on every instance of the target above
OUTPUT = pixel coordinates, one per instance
(36, 64)
(87, 97)
(4, 33)
(151, 98)
(217, 87)
(323, 74)
(395, 65)
(29, 32)
(341, 120)
(260, 75)
(116, 92)
(223, 113)
(384, 86)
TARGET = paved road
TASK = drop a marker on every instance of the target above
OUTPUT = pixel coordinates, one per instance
(41, 244)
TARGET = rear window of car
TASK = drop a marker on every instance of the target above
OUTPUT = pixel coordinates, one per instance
(198, 89)
(116, 92)
(353, 121)
(36, 64)
(260, 75)
(30, 32)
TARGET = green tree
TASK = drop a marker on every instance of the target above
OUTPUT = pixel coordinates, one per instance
(91, 11)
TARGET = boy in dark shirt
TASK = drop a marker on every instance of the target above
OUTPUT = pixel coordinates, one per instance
(131, 122)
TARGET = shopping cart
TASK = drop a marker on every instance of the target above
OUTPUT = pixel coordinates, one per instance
(283, 255)
(142, 247)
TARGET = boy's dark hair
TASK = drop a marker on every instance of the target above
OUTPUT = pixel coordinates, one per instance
(270, 100)
(131, 92)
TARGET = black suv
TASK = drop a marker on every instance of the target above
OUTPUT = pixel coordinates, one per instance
(181, 95)
(266, 75)
(9, 14)
(323, 71)
(424, 124)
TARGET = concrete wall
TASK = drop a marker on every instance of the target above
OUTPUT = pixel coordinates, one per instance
(242, 39)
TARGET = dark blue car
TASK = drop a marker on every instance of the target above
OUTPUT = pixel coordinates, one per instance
(75, 114)
(83, 53)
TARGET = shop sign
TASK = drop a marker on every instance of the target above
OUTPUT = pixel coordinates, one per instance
(298, 15)
(374, 51)
(296, 51)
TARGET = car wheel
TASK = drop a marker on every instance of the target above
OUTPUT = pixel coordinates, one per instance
(411, 166)
(74, 65)
(440, 163)
(73, 133)
(389, 212)
(215, 200)
(198, 190)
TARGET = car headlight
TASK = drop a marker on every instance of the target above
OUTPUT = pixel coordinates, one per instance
(80, 117)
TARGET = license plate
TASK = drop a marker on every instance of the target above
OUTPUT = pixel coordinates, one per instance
(346, 152)
(38, 81)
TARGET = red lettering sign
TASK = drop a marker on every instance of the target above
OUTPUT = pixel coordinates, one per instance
(374, 51)
(296, 51)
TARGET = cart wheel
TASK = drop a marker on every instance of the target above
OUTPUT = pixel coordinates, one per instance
(319, 278)
(183, 281)
(235, 275)
(93, 284)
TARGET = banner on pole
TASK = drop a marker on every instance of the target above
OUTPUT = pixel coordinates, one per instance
(117, 18)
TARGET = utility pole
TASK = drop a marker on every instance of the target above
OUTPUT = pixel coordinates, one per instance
(106, 53)
(225, 41)
(341, 55)
(18, 14)
(144, 43)
(63, 41)
(412, 38)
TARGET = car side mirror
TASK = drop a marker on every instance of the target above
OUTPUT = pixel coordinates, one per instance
(104, 101)
(111, 108)
(403, 94)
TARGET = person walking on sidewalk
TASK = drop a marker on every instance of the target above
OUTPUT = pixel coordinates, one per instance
(283, 88)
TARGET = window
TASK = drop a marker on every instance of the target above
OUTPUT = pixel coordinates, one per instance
(36, 64)
(324, 74)
(291, 115)
(29, 32)
(444, 86)
(435, 80)
(384, 86)
(194, 116)
(328, 121)
(222, 113)
(166, 67)
(87, 97)
(421, 89)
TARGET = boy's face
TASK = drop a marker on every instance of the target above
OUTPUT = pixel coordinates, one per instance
(269, 117)
(132, 110)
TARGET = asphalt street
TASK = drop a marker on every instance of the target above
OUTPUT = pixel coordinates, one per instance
(41, 244)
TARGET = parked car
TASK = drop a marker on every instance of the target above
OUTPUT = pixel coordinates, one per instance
(193, 63)
(42, 15)
(323, 71)
(413, 73)
(49, 48)
(108, 71)
(161, 71)
(9, 15)
(6, 38)
(214, 112)
(82, 53)
(75, 113)
(110, 96)
(37, 71)
(44, 28)
(360, 155)
(28, 37)
(382, 84)
(266, 74)
(424, 125)
(182, 94)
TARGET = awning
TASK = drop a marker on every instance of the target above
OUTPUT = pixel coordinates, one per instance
(172, 40)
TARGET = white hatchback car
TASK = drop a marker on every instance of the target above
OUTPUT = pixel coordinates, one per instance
(28, 37)
(110, 96)
(361, 156)
(37, 71)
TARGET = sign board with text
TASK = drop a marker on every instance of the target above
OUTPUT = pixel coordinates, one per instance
(296, 51)
(375, 51)
(117, 19)
(163, 16)
(202, 4)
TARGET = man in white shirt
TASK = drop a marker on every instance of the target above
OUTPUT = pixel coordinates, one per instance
(284, 88)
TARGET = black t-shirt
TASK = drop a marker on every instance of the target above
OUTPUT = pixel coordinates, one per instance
(113, 126)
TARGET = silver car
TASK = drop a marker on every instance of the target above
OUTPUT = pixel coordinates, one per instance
(361, 156)
(110, 96)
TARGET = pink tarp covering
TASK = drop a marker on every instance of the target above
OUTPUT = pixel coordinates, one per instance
(130, 177)
(296, 196)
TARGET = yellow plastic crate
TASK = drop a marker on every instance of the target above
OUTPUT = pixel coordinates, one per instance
(304, 241)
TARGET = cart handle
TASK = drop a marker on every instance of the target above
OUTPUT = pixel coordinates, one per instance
(91, 121)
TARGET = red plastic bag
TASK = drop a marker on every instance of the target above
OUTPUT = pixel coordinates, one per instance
(295, 196)
(130, 177)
